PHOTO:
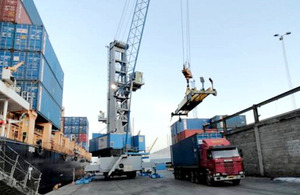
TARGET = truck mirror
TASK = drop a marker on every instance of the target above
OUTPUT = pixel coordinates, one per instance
(241, 152)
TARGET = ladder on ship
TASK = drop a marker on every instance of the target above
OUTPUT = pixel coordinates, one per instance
(17, 176)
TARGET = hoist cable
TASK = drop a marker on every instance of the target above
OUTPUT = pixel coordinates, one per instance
(182, 31)
(188, 33)
(121, 22)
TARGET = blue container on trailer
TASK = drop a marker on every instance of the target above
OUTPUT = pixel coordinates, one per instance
(187, 151)
(32, 12)
(42, 101)
(139, 142)
(7, 33)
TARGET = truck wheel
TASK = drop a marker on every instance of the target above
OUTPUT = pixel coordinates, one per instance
(192, 177)
(176, 174)
(197, 180)
(236, 182)
(208, 180)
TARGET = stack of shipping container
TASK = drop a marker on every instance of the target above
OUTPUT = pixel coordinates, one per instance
(231, 123)
(185, 128)
(24, 38)
(77, 129)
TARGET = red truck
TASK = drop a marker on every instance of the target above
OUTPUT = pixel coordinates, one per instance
(209, 160)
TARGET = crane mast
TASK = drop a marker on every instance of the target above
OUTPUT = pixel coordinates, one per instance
(123, 79)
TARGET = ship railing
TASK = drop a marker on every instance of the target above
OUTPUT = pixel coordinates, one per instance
(17, 172)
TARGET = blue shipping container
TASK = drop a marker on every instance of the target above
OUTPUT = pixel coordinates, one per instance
(114, 141)
(187, 151)
(31, 38)
(7, 34)
(35, 68)
(139, 142)
(42, 101)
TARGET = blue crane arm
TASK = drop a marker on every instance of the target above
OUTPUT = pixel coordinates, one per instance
(136, 33)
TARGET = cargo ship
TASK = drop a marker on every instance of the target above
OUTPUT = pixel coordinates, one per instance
(31, 103)
(59, 159)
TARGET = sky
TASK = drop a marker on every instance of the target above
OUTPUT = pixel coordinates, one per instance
(231, 41)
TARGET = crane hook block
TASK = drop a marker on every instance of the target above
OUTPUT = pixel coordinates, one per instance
(187, 73)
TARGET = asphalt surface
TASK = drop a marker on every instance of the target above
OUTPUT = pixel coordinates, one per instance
(168, 185)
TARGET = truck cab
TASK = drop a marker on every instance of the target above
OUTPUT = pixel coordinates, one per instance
(221, 161)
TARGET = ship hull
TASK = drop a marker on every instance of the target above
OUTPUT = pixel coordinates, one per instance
(56, 168)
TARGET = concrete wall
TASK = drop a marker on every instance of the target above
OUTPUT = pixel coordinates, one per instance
(270, 147)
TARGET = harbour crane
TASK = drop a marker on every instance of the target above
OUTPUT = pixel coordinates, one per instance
(119, 155)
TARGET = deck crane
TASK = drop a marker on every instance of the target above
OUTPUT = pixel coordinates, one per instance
(193, 97)
(118, 155)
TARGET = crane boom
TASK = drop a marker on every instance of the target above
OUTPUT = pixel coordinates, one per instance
(136, 32)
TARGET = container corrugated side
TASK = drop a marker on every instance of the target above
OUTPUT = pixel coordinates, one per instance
(13, 11)
(186, 152)
(35, 68)
(7, 34)
(32, 12)
(34, 92)
(31, 38)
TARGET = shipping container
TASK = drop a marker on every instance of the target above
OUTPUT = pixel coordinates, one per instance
(13, 11)
(139, 142)
(231, 123)
(35, 68)
(190, 132)
(32, 12)
(7, 34)
(189, 123)
(77, 129)
(186, 152)
(32, 38)
(82, 137)
(76, 121)
(35, 93)
(114, 141)
(67, 130)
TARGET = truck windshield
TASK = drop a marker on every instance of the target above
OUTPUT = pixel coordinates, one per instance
(225, 153)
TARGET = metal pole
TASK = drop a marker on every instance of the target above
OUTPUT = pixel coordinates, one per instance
(5, 106)
(288, 72)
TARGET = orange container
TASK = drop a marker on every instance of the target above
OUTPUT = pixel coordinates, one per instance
(190, 132)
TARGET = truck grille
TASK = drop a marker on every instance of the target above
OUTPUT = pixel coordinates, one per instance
(229, 168)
